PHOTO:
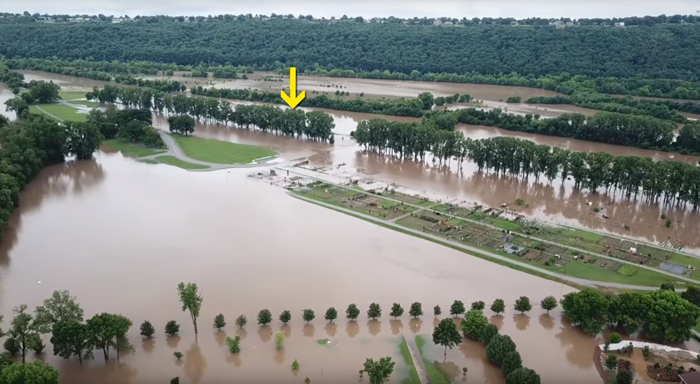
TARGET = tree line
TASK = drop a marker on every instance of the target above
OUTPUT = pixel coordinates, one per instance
(674, 181)
(313, 125)
(661, 315)
(33, 142)
(604, 127)
(660, 109)
(649, 52)
(133, 125)
(563, 83)
(395, 107)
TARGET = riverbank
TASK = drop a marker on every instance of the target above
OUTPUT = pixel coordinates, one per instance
(564, 254)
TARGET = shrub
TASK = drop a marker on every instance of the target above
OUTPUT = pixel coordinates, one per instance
(178, 355)
(172, 328)
(295, 364)
(279, 340)
(234, 345)
(615, 338)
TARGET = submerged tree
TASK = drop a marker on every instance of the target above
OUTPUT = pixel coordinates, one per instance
(447, 335)
(71, 338)
(172, 328)
(416, 310)
(264, 317)
(331, 314)
(549, 303)
(522, 304)
(219, 321)
(308, 315)
(147, 329)
(396, 311)
(24, 329)
(374, 311)
(241, 321)
(352, 312)
(498, 306)
(60, 307)
(191, 301)
(379, 371)
(457, 308)
(285, 316)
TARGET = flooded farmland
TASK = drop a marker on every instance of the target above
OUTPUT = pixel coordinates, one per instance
(136, 230)
(124, 234)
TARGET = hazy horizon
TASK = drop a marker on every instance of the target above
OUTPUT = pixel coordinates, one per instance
(365, 8)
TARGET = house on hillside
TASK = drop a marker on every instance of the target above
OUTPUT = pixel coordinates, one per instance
(619, 24)
(437, 22)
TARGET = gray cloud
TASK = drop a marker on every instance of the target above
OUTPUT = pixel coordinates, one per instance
(366, 8)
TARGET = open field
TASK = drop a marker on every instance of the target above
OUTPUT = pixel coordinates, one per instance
(131, 149)
(172, 160)
(501, 238)
(220, 152)
(59, 111)
(70, 95)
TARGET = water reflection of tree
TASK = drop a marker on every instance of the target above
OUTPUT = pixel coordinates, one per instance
(309, 330)
(148, 345)
(331, 329)
(415, 325)
(279, 357)
(497, 320)
(521, 321)
(110, 373)
(286, 330)
(234, 359)
(396, 326)
(547, 321)
(54, 181)
(352, 328)
(220, 337)
(579, 346)
(195, 364)
(448, 369)
(265, 333)
(374, 326)
(242, 333)
(173, 341)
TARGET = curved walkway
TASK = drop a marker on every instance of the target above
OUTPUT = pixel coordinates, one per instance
(175, 151)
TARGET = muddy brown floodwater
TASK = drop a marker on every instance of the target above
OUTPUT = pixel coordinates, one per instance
(556, 202)
(120, 235)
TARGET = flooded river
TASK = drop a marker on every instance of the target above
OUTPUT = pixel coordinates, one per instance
(123, 234)
(558, 202)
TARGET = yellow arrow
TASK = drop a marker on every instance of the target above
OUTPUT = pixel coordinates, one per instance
(293, 99)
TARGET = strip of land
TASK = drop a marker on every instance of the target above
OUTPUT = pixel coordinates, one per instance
(563, 254)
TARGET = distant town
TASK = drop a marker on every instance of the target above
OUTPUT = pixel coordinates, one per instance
(563, 22)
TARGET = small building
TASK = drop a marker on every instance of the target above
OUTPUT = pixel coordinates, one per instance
(619, 24)
(437, 22)
(690, 378)
(448, 23)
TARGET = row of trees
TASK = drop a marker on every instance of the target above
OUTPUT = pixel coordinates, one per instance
(37, 92)
(31, 143)
(675, 181)
(604, 127)
(163, 85)
(662, 315)
(660, 109)
(14, 80)
(371, 46)
(396, 107)
(313, 125)
(563, 83)
(500, 349)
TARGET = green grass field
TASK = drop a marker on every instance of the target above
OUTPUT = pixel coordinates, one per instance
(220, 152)
(413, 377)
(85, 103)
(585, 235)
(62, 112)
(172, 160)
(130, 149)
(685, 261)
(149, 161)
(70, 95)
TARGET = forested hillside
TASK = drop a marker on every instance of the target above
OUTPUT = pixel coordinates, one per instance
(667, 50)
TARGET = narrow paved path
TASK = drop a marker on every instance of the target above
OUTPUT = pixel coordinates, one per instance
(677, 277)
(473, 250)
(417, 358)
(395, 219)
(175, 151)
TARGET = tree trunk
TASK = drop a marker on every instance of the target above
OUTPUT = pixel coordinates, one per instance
(445, 353)
(80, 358)
(106, 353)
(194, 321)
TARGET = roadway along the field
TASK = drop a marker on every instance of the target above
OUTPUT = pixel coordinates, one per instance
(496, 228)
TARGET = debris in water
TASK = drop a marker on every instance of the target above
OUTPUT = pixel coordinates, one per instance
(39, 281)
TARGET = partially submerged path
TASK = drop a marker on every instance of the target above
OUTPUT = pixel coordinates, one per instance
(417, 358)
(48, 114)
(175, 151)
(331, 181)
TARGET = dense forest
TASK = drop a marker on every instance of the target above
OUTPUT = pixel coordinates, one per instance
(656, 51)
(675, 181)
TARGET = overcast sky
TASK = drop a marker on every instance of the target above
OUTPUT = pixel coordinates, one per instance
(366, 8)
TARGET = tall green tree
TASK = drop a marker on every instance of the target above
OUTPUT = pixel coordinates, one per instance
(264, 317)
(106, 331)
(523, 376)
(522, 304)
(457, 308)
(588, 309)
(549, 303)
(416, 310)
(72, 338)
(352, 312)
(331, 314)
(396, 311)
(498, 306)
(60, 307)
(474, 324)
(35, 372)
(24, 328)
(374, 311)
(447, 335)
(498, 348)
(379, 371)
(191, 301)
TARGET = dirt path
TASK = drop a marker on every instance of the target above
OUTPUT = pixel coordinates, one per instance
(686, 279)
